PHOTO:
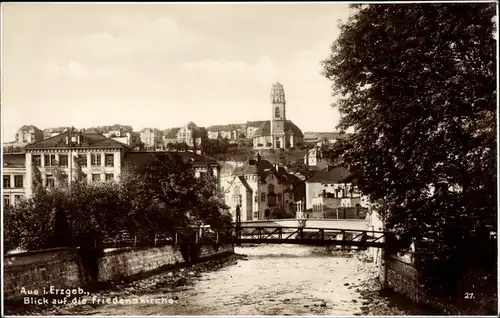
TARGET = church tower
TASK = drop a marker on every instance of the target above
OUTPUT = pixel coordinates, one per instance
(278, 118)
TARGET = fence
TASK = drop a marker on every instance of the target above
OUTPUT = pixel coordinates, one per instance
(149, 239)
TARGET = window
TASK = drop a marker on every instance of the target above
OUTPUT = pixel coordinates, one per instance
(256, 199)
(236, 190)
(6, 182)
(109, 160)
(237, 199)
(37, 160)
(17, 198)
(6, 200)
(18, 181)
(256, 215)
(110, 177)
(263, 197)
(96, 177)
(202, 174)
(270, 188)
(277, 112)
(63, 160)
(50, 181)
(82, 160)
(50, 160)
(95, 159)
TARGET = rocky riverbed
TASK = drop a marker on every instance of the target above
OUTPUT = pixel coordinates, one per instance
(271, 280)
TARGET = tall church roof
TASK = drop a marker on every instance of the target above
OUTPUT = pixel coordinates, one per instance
(290, 129)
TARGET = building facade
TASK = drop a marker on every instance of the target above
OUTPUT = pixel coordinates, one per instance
(230, 132)
(277, 133)
(14, 178)
(100, 158)
(328, 190)
(151, 137)
(260, 190)
(190, 134)
(28, 134)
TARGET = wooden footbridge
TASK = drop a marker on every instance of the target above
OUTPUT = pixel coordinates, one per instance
(256, 235)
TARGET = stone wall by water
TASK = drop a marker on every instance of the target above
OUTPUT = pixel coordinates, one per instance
(61, 267)
(402, 277)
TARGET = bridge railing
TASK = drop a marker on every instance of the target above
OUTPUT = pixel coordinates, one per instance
(230, 235)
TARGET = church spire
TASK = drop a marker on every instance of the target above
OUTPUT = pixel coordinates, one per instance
(277, 94)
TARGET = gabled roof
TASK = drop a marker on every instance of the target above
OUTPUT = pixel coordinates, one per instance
(255, 124)
(335, 175)
(141, 158)
(290, 129)
(89, 140)
(14, 160)
(263, 170)
(245, 183)
(156, 130)
(29, 127)
(172, 133)
(222, 128)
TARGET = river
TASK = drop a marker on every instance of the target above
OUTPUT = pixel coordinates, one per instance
(269, 280)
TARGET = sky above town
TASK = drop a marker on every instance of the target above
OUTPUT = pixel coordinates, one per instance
(163, 65)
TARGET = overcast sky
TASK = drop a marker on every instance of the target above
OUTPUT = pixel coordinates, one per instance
(163, 65)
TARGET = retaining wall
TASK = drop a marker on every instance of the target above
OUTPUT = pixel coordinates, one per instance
(61, 268)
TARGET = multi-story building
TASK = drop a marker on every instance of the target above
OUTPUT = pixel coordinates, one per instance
(252, 127)
(278, 132)
(258, 189)
(330, 189)
(151, 137)
(28, 134)
(99, 157)
(14, 178)
(190, 134)
(231, 132)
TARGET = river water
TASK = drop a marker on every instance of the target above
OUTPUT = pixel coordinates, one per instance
(272, 280)
(268, 280)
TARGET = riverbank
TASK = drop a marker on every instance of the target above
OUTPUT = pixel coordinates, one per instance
(378, 302)
(140, 285)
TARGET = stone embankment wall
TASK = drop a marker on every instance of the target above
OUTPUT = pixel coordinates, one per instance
(61, 268)
(402, 277)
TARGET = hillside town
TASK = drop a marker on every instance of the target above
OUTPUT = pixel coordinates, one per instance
(268, 169)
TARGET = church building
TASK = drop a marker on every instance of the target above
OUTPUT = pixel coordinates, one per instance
(277, 133)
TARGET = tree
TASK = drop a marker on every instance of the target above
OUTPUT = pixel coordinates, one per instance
(417, 83)
(166, 193)
(37, 181)
(80, 177)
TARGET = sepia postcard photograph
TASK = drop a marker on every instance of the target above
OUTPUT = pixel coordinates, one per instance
(249, 158)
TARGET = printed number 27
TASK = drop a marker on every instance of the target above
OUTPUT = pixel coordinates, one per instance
(469, 295)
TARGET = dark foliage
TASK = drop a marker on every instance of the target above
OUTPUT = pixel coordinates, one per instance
(417, 83)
